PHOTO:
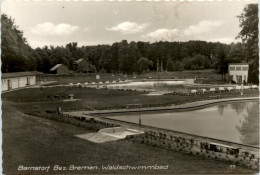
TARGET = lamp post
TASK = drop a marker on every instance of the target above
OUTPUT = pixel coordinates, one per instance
(97, 78)
(140, 120)
(242, 85)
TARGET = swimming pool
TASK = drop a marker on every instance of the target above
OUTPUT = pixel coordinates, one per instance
(149, 85)
(236, 122)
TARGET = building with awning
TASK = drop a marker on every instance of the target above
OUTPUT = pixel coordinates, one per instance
(238, 72)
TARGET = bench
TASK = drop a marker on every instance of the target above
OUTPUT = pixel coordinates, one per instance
(230, 88)
(238, 87)
(214, 97)
(221, 89)
(254, 87)
(127, 106)
(216, 147)
(212, 90)
(194, 91)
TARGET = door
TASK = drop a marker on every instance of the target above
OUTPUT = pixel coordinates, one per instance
(9, 84)
(239, 80)
(231, 78)
(28, 81)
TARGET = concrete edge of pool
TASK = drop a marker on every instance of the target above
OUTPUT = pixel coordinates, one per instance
(183, 107)
(193, 106)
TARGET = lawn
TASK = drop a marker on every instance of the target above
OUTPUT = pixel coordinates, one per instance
(36, 98)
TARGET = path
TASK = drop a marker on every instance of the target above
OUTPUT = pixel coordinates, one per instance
(186, 106)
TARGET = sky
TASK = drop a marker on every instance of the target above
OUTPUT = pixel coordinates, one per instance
(91, 23)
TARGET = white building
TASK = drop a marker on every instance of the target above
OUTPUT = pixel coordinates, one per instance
(238, 72)
(19, 79)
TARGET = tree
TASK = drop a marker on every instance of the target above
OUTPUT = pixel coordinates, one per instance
(134, 54)
(43, 63)
(249, 35)
(221, 61)
(106, 60)
(178, 66)
(144, 64)
(76, 52)
(124, 57)
(236, 53)
(72, 48)
(17, 55)
(170, 65)
(60, 55)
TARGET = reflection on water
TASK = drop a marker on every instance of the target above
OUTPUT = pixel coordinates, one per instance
(249, 127)
(236, 122)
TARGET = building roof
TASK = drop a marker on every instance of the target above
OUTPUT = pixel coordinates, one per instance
(81, 59)
(55, 67)
(20, 74)
(92, 66)
(78, 61)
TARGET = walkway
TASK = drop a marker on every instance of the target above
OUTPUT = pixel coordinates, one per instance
(186, 106)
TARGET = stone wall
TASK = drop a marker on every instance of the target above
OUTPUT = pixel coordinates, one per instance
(197, 148)
(78, 121)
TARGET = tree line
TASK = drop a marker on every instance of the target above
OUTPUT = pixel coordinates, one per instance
(128, 57)
(140, 56)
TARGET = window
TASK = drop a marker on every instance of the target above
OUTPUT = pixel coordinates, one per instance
(238, 68)
(245, 68)
(231, 68)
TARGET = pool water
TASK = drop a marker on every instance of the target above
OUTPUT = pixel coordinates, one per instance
(148, 85)
(236, 122)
